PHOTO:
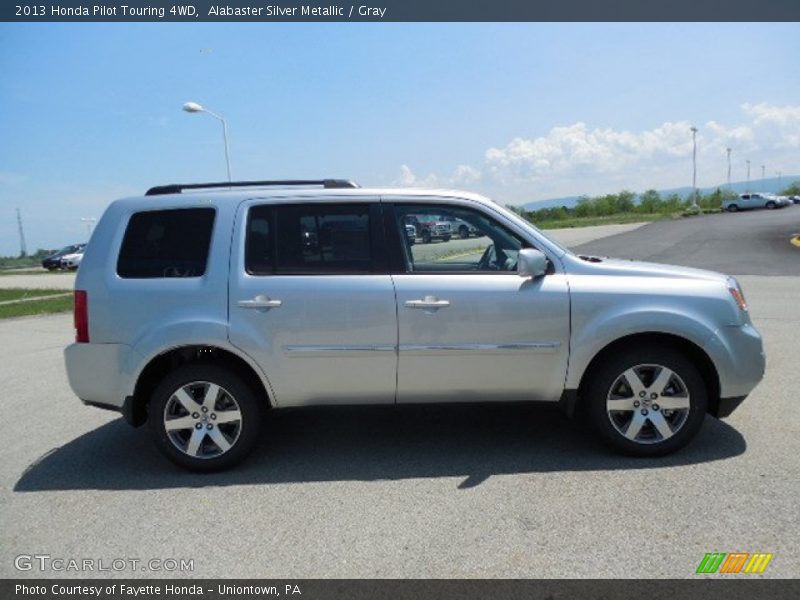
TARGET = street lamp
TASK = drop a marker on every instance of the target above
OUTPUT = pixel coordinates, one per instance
(748, 175)
(694, 167)
(194, 107)
(729, 166)
(90, 221)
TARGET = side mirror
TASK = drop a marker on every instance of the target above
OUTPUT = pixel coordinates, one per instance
(531, 263)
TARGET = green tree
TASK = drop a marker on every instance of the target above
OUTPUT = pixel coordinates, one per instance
(792, 190)
(650, 202)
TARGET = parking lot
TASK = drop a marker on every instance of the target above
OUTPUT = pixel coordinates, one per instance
(452, 491)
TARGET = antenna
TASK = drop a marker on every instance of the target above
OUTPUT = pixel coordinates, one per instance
(23, 251)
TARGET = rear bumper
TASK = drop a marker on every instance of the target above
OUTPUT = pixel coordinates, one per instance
(96, 373)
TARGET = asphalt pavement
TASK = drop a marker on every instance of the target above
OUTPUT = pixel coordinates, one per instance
(448, 491)
(753, 242)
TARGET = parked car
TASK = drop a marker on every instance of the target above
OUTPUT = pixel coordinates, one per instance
(71, 262)
(462, 228)
(53, 262)
(795, 199)
(430, 228)
(749, 201)
(411, 234)
(197, 310)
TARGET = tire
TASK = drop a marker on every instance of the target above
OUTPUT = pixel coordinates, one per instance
(463, 232)
(681, 386)
(187, 446)
(770, 205)
(446, 238)
(733, 208)
(426, 237)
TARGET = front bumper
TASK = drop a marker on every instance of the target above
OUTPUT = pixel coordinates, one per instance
(738, 354)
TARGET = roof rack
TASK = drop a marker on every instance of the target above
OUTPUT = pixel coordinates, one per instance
(177, 188)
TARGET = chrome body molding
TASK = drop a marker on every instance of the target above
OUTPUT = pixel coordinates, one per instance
(538, 347)
(338, 350)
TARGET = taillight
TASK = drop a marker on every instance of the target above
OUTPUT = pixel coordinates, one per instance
(81, 317)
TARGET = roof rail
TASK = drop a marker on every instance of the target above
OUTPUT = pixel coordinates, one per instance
(177, 188)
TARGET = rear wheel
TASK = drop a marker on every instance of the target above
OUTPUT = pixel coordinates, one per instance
(733, 208)
(463, 232)
(647, 401)
(426, 237)
(204, 417)
(770, 205)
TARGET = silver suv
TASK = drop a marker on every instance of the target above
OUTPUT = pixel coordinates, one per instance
(198, 307)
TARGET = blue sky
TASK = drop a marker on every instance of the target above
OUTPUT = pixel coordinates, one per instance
(91, 112)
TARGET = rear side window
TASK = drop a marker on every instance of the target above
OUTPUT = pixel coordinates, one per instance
(309, 239)
(166, 243)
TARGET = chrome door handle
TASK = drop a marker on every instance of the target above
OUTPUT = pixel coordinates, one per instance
(260, 301)
(428, 302)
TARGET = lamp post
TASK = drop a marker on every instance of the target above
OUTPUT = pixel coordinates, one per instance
(194, 107)
(694, 168)
(748, 175)
(729, 166)
(90, 221)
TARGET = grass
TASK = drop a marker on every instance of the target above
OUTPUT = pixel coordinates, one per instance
(36, 307)
(61, 301)
(32, 271)
(606, 220)
(7, 295)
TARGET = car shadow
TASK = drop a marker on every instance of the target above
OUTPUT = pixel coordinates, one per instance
(472, 442)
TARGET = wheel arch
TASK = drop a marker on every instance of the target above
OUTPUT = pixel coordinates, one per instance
(169, 360)
(698, 356)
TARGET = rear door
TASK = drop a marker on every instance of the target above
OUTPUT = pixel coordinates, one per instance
(469, 328)
(312, 302)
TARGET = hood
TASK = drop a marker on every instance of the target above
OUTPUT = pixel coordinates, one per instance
(616, 266)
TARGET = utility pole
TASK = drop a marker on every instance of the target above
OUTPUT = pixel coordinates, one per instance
(748, 176)
(729, 167)
(763, 170)
(23, 250)
(780, 176)
(694, 167)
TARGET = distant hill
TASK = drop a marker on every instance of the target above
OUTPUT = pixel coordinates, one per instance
(770, 185)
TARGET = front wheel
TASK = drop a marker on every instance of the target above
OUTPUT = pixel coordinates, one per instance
(647, 401)
(733, 208)
(204, 417)
(770, 205)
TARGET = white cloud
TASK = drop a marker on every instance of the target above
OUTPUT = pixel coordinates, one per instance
(463, 175)
(576, 159)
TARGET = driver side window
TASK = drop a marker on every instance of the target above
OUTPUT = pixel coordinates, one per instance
(451, 239)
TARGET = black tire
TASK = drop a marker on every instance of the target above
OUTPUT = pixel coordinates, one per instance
(733, 208)
(770, 205)
(446, 238)
(463, 232)
(426, 237)
(646, 358)
(250, 406)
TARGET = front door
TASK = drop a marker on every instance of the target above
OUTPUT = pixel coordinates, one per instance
(471, 329)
